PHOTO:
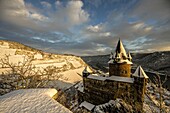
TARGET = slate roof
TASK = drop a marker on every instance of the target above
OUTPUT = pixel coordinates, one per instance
(120, 55)
(140, 73)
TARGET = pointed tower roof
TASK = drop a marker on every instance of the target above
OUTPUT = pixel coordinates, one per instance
(87, 70)
(120, 55)
(140, 73)
(111, 55)
(129, 56)
(120, 49)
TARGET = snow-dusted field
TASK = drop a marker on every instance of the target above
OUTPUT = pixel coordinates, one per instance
(31, 101)
(70, 67)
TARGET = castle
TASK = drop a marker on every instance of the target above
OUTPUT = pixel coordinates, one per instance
(119, 83)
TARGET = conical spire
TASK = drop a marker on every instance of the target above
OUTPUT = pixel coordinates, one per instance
(120, 49)
(129, 56)
(87, 70)
(140, 73)
(111, 55)
(120, 55)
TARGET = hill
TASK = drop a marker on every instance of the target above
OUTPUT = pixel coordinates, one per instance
(157, 61)
(17, 45)
(69, 66)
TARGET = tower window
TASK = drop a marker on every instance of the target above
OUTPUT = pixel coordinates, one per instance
(125, 72)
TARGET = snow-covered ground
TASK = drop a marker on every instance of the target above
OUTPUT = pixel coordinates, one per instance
(31, 101)
(152, 98)
(70, 67)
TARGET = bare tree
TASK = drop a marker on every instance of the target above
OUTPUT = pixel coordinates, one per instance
(157, 87)
(25, 75)
(159, 84)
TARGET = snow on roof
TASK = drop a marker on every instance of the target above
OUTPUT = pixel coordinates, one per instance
(125, 61)
(112, 103)
(114, 78)
(111, 61)
(95, 74)
(120, 48)
(87, 70)
(140, 73)
(121, 79)
(120, 55)
(121, 61)
(31, 101)
(129, 56)
(97, 77)
(87, 105)
(81, 87)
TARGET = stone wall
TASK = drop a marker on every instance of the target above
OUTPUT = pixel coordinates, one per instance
(99, 92)
(123, 70)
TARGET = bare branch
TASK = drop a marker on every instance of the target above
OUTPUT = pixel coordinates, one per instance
(26, 75)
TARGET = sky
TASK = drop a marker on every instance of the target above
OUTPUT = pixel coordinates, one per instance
(87, 27)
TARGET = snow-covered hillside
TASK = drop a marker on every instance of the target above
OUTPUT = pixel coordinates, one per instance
(69, 66)
(31, 101)
(152, 99)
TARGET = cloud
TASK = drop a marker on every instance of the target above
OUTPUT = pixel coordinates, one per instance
(95, 28)
(17, 13)
(25, 14)
(38, 17)
(97, 34)
(139, 25)
(70, 15)
(148, 9)
(70, 27)
(13, 8)
(46, 4)
(150, 20)
(75, 12)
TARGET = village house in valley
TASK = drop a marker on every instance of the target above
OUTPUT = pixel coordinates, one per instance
(119, 83)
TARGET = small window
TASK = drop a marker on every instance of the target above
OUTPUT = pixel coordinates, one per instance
(125, 72)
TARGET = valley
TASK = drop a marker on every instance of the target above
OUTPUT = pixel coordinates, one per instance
(152, 63)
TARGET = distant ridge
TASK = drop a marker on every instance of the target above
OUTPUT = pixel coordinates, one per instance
(18, 45)
(157, 61)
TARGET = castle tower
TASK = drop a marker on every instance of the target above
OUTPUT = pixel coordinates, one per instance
(140, 82)
(86, 72)
(120, 64)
